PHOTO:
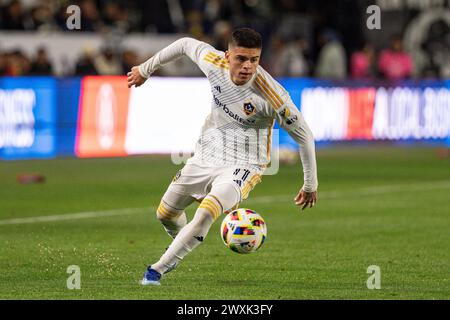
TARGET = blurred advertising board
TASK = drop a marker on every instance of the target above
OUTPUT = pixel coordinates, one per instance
(68, 100)
(27, 117)
(102, 117)
(164, 115)
(99, 116)
(347, 111)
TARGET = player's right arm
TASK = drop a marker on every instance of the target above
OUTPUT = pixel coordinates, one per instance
(190, 47)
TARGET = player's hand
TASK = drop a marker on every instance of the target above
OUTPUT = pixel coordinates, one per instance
(135, 78)
(306, 199)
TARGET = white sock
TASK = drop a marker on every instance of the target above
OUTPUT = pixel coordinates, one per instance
(190, 236)
(173, 220)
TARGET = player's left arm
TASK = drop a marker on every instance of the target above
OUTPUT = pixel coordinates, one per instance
(291, 119)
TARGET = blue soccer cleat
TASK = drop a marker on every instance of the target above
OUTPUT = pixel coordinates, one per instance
(152, 277)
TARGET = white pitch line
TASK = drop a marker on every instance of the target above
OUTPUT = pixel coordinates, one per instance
(75, 216)
(261, 199)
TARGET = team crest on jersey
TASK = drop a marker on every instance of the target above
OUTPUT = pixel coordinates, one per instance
(249, 109)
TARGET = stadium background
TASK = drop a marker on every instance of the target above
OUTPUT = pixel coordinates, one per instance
(378, 102)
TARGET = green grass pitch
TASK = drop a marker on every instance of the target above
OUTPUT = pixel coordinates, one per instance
(382, 206)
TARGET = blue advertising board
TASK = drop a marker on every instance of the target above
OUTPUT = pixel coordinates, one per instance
(27, 117)
(38, 115)
(401, 111)
(68, 100)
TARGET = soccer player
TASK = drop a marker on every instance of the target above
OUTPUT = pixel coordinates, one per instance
(234, 147)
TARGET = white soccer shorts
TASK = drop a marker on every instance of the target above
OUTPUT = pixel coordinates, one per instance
(230, 184)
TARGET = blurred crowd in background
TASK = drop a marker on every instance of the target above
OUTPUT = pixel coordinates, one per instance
(308, 38)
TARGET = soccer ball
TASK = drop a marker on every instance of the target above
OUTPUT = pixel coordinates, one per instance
(243, 231)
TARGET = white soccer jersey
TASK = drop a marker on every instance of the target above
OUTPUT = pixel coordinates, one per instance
(239, 128)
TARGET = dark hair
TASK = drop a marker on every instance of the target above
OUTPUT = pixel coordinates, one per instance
(246, 37)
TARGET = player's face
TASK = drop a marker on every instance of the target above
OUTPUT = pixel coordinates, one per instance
(242, 62)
